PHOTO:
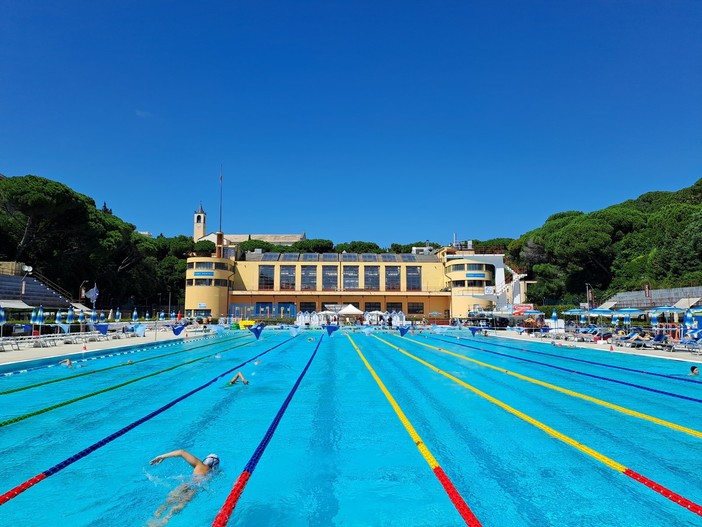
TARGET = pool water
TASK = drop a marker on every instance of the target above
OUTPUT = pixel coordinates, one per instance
(341, 455)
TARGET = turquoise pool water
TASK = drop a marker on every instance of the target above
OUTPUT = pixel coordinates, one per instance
(340, 455)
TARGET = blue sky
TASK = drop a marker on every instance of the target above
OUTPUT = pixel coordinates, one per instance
(376, 121)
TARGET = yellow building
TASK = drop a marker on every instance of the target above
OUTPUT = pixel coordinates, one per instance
(446, 283)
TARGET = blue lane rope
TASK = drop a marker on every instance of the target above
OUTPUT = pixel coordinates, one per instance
(227, 508)
(633, 385)
(12, 493)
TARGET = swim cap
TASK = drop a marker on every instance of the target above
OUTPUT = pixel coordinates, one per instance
(212, 461)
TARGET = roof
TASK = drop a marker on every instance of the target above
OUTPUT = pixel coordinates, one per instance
(276, 239)
(14, 304)
(686, 302)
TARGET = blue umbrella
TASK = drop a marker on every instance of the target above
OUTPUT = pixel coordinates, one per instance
(627, 319)
(93, 317)
(33, 317)
(147, 317)
(102, 316)
(582, 318)
(2, 317)
(40, 315)
(689, 321)
(173, 315)
(615, 319)
(135, 316)
(118, 315)
(162, 316)
(554, 318)
(654, 319)
(81, 317)
(71, 316)
(58, 317)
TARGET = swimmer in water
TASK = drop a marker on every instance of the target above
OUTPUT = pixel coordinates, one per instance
(236, 378)
(179, 497)
(67, 362)
(694, 370)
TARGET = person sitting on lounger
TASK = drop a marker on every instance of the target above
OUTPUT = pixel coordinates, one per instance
(236, 378)
(639, 337)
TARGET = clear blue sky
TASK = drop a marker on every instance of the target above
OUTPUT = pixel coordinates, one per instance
(388, 121)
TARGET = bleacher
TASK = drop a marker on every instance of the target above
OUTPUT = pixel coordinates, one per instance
(36, 293)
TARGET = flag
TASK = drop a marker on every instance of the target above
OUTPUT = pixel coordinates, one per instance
(92, 294)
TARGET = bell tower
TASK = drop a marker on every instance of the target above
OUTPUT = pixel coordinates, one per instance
(199, 224)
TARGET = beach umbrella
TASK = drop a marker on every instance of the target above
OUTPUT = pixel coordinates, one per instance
(58, 317)
(81, 317)
(147, 317)
(574, 312)
(615, 319)
(70, 316)
(135, 315)
(118, 315)
(554, 318)
(654, 319)
(162, 316)
(33, 317)
(3, 319)
(93, 317)
(173, 315)
(627, 319)
(533, 312)
(40, 316)
(109, 315)
(582, 318)
(102, 316)
(689, 321)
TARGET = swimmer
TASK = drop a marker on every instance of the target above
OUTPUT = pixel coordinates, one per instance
(236, 378)
(67, 362)
(179, 497)
(311, 339)
(694, 370)
(258, 362)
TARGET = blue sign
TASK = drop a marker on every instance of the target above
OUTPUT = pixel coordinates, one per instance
(204, 273)
(475, 275)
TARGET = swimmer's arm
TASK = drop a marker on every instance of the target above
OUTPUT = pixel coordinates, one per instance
(187, 456)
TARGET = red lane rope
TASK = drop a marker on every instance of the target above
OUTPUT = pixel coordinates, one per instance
(227, 508)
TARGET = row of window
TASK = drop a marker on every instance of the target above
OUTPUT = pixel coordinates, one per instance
(330, 278)
(208, 282)
(466, 267)
(211, 265)
(470, 283)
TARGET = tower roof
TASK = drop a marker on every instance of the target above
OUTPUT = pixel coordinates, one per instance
(200, 210)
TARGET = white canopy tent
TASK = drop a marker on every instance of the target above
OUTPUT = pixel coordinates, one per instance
(350, 310)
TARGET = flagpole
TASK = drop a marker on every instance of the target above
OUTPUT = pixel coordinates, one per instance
(220, 198)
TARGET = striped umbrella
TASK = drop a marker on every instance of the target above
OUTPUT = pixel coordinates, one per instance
(615, 319)
(654, 319)
(70, 316)
(33, 317)
(3, 318)
(162, 316)
(147, 317)
(40, 315)
(81, 317)
(173, 316)
(102, 316)
(135, 316)
(59, 317)
(118, 315)
(93, 317)
(627, 319)
(582, 319)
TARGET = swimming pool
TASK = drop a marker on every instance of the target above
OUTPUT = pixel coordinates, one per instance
(340, 454)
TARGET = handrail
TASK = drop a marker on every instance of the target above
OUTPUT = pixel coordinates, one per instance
(52, 285)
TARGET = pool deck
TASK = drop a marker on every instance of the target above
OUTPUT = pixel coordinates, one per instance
(60, 350)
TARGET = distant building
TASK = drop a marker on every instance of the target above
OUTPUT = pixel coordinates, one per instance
(448, 282)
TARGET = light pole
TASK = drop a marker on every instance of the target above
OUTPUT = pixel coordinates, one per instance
(588, 294)
(27, 270)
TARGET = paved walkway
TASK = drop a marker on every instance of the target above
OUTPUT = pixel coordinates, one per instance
(62, 350)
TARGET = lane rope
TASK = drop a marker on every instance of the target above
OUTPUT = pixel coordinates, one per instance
(227, 508)
(14, 492)
(453, 494)
(571, 393)
(592, 375)
(663, 491)
(52, 381)
(604, 365)
(110, 388)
